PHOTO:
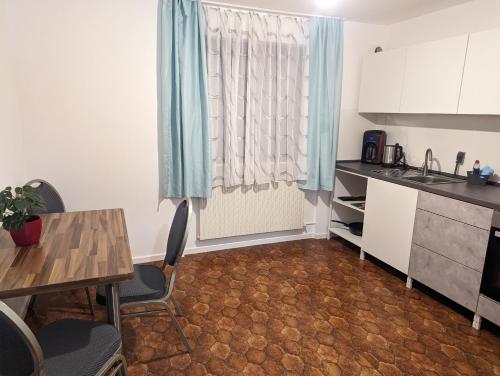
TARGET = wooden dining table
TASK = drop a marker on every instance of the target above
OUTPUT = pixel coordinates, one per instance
(76, 250)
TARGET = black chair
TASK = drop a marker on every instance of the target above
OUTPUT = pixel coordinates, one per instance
(53, 204)
(53, 200)
(149, 284)
(65, 347)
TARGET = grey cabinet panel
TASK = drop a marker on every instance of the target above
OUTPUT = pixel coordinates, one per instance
(453, 280)
(489, 309)
(461, 211)
(458, 241)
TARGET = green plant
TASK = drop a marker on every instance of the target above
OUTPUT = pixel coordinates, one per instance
(15, 208)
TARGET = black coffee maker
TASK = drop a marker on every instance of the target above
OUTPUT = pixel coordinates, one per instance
(373, 146)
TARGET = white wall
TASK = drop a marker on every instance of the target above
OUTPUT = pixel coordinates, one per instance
(478, 136)
(472, 16)
(359, 40)
(85, 73)
(85, 80)
(12, 170)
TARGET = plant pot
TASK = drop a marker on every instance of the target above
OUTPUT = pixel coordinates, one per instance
(29, 234)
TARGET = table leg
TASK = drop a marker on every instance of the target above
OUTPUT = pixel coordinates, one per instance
(113, 305)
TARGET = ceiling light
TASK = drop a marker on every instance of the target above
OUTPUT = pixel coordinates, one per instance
(325, 3)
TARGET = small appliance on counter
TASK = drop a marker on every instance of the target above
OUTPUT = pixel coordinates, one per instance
(393, 155)
(373, 146)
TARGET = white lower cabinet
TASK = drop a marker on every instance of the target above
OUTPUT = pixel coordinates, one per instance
(388, 222)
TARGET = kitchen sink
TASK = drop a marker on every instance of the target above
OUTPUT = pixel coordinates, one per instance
(433, 179)
(394, 172)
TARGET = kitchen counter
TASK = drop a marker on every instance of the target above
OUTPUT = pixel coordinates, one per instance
(487, 196)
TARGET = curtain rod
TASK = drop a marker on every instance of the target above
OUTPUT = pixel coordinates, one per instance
(263, 10)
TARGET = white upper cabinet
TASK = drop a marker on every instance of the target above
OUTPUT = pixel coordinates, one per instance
(382, 81)
(433, 76)
(481, 82)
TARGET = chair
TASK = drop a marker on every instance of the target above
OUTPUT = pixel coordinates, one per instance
(53, 204)
(65, 347)
(149, 284)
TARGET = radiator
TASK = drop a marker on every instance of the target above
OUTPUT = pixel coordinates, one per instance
(248, 210)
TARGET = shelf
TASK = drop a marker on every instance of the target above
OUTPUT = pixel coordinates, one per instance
(347, 235)
(349, 204)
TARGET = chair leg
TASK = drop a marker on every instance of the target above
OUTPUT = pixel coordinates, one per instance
(116, 367)
(31, 306)
(179, 329)
(178, 310)
(122, 367)
(89, 300)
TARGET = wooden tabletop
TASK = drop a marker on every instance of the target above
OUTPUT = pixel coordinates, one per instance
(76, 249)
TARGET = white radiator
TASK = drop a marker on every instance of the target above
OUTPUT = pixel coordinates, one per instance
(246, 210)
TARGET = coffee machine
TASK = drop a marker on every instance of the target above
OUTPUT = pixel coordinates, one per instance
(373, 146)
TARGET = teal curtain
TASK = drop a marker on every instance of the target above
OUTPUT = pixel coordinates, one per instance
(184, 147)
(325, 87)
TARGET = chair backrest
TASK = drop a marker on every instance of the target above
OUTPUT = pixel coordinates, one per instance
(53, 201)
(20, 352)
(178, 234)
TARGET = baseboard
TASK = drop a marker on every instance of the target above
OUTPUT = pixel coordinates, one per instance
(246, 243)
(149, 258)
(231, 245)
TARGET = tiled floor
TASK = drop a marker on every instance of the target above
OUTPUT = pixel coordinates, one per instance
(305, 308)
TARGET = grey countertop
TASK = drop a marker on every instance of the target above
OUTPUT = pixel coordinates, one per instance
(487, 196)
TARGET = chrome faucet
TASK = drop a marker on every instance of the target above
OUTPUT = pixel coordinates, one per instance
(428, 158)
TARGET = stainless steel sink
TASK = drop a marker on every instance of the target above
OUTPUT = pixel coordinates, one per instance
(392, 172)
(433, 179)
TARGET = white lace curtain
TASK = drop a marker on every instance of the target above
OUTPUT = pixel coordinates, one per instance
(258, 95)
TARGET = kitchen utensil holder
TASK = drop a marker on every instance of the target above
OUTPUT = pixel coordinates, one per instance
(476, 179)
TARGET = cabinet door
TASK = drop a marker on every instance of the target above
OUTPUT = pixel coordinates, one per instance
(481, 84)
(452, 239)
(382, 82)
(453, 280)
(388, 224)
(489, 309)
(433, 76)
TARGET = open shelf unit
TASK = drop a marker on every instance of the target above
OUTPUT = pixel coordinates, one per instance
(349, 204)
(347, 184)
(347, 235)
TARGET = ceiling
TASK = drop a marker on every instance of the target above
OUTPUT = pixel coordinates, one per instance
(370, 11)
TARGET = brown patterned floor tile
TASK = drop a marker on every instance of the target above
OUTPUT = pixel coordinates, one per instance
(253, 370)
(237, 361)
(292, 363)
(331, 369)
(257, 342)
(389, 369)
(220, 350)
(322, 312)
(292, 347)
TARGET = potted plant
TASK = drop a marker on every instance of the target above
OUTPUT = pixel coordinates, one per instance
(15, 214)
